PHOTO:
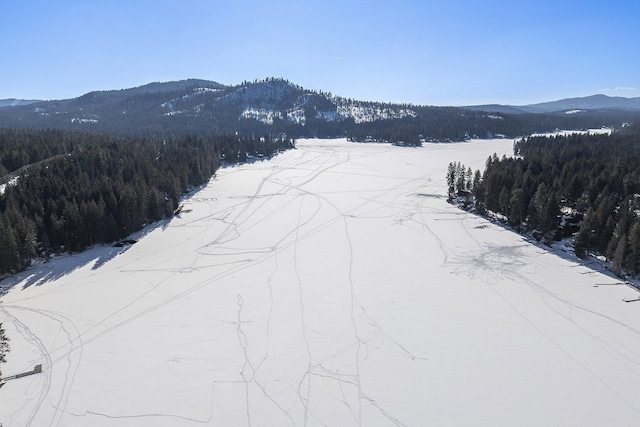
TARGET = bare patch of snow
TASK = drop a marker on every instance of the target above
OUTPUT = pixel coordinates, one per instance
(596, 131)
(370, 113)
(12, 181)
(296, 115)
(83, 120)
(261, 114)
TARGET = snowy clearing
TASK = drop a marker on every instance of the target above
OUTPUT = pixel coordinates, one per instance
(332, 285)
(596, 131)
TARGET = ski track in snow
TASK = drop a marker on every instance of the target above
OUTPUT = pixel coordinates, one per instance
(285, 313)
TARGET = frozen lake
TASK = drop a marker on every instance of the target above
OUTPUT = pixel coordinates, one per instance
(331, 285)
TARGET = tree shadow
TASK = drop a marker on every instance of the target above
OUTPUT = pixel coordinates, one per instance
(45, 271)
(60, 266)
(566, 252)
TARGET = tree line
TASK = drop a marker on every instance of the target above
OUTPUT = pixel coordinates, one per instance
(100, 188)
(582, 185)
(446, 124)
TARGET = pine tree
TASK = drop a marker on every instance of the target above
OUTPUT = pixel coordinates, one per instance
(4, 346)
(478, 192)
(517, 207)
(8, 248)
(451, 181)
(504, 201)
(584, 238)
(632, 260)
(618, 256)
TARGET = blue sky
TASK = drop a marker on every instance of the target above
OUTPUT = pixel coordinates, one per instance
(452, 52)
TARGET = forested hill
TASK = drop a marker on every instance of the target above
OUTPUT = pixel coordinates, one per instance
(582, 185)
(276, 106)
(85, 189)
(568, 105)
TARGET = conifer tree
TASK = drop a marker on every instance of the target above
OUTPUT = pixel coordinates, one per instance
(4, 346)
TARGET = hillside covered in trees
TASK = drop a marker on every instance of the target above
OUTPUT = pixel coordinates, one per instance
(276, 106)
(70, 190)
(554, 187)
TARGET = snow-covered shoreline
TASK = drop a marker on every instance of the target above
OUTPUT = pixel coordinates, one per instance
(330, 285)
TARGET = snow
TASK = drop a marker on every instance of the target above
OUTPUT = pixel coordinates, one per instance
(364, 113)
(11, 181)
(296, 115)
(359, 113)
(173, 113)
(266, 115)
(331, 285)
(571, 132)
(200, 90)
(81, 120)
(261, 114)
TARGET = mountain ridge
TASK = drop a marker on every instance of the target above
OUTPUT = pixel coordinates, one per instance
(591, 102)
(264, 101)
(276, 105)
(13, 102)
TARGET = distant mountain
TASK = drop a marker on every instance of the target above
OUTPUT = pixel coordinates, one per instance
(12, 102)
(594, 102)
(277, 106)
(566, 106)
(200, 105)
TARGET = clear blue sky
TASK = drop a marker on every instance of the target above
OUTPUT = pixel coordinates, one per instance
(434, 52)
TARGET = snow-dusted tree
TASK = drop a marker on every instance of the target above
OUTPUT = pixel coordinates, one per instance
(451, 181)
(4, 346)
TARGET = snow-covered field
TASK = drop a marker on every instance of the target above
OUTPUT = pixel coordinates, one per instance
(331, 285)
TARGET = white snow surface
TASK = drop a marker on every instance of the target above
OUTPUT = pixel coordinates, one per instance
(82, 120)
(261, 114)
(559, 132)
(331, 285)
(360, 113)
(12, 181)
(366, 113)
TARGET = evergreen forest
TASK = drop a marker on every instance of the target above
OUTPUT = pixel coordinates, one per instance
(582, 185)
(63, 191)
